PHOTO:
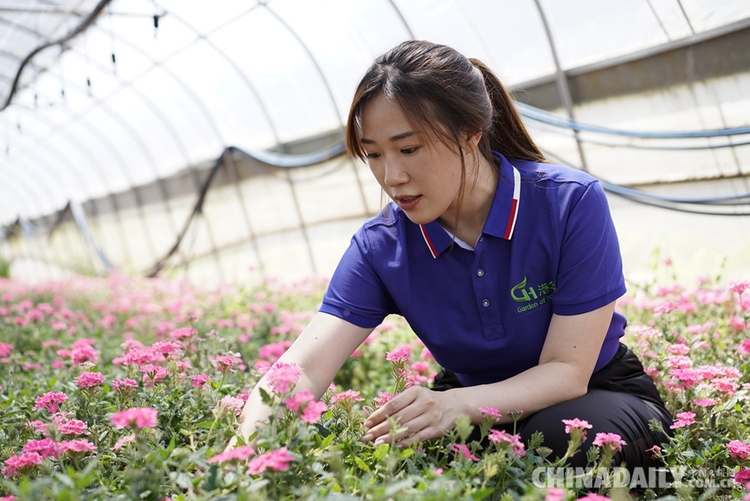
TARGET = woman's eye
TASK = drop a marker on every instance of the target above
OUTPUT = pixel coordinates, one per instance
(372, 156)
(409, 151)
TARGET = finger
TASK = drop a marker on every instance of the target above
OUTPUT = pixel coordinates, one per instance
(380, 430)
(390, 408)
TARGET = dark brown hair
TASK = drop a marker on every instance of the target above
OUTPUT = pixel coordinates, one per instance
(443, 92)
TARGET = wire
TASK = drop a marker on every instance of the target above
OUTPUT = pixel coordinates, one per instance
(558, 121)
(670, 203)
(78, 29)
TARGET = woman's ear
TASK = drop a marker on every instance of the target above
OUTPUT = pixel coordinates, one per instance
(472, 140)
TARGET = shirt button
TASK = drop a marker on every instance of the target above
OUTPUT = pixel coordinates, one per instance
(480, 272)
(485, 303)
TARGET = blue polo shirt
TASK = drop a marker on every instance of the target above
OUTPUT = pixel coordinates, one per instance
(548, 246)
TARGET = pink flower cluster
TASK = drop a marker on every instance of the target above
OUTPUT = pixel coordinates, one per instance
(16, 465)
(276, 460)
(304, 401)
(281, 376)
(502, 436)
(50, 401)
(576, 424)
(137, 418)
(683, 419)
(464, 452)
(237, 454)
(348, 397)
(612, 441)
(90, 380)
(738, 449)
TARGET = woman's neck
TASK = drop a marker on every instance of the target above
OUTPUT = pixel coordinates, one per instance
(479, 192)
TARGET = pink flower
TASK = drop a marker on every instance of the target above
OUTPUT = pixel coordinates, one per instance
(738, 449)
(227, 363)
(725, 385)
(124, 440)
(124, 385)
(313, 411)
(82, 351)
(610, 440)
(153, 374)
(89, 380)
(136, 418)
(347, 396)
(277, 460)
(231, 404)
(77, 446)
(683, 419)
(593, 497)
(502, 436)
(706, 402)
(69, 426)
(401, 352)
(491, 411)
(382, 398)
(463, 451)
(199, 380)
(15, 465)
(50, 401)
(555, 494)
(5, 349)
(744, 347)
(741, 476)
(238, 453)
(738, 286)
(281, 376)
(45, 447)
(655, 450)
(183, 333)
(294, 403)
(576, 424)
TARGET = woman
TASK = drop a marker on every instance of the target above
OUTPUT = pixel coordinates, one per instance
(505, 266)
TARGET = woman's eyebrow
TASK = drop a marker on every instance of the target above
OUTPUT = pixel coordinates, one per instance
(392, 139)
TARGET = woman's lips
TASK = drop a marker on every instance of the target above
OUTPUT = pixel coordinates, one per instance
(408, 203)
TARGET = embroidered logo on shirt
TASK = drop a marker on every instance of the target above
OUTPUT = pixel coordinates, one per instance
(539, 294)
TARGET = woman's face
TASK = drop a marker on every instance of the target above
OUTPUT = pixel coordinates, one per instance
(420, 173)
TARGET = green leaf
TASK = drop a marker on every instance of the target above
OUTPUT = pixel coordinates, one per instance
(362, 465)
(481, 493)
(211, 480)
(380, 452)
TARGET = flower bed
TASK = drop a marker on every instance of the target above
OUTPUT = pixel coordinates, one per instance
(123, 388)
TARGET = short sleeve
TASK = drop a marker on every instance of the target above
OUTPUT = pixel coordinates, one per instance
(356, 293)
(590, 269)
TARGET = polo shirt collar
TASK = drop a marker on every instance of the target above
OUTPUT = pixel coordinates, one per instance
(501, 221)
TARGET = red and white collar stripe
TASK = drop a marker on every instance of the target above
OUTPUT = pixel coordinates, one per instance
(512, 216)
(514, 204)
(427, 240)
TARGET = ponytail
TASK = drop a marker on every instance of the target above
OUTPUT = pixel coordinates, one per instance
(507, 134)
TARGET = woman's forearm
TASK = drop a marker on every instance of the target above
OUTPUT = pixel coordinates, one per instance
(532, 390)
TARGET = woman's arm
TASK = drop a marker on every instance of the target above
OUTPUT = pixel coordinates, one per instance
(319, 351)
(568, 357)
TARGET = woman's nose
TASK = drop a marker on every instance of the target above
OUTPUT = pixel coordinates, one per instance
(395, 174)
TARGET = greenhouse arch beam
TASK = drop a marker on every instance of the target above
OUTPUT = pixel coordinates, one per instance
(401, 16)
(245, 79)
(88, 21)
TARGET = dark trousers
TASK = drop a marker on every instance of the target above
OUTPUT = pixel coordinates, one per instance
(621, 399)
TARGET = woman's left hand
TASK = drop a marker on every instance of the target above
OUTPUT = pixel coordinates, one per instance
(420, 414)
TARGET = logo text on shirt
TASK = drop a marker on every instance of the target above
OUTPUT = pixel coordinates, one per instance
(539, 294)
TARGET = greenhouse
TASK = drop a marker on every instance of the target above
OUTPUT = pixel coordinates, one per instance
(177, 189)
